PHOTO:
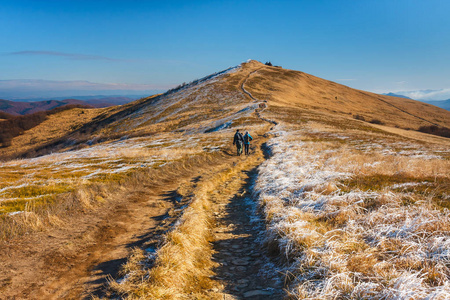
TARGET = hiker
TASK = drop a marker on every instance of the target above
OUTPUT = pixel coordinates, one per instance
(247, 139)
(238, 140)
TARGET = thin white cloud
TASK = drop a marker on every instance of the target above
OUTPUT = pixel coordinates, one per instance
(23, 88)
(64, 85)
(441, 94)
(75, 56)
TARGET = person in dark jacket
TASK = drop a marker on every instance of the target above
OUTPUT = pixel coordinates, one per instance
(247, 139)
(238, 140)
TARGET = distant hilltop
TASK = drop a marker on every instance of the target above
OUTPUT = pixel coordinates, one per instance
(445, 104)
(396, 95)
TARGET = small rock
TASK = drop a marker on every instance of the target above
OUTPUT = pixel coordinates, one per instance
(256, 293)
(241, 268)
(275, 283)
(242, 281)
(240, 262)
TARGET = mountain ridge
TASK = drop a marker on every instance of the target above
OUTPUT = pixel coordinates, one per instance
(445, 104)
(218, 102)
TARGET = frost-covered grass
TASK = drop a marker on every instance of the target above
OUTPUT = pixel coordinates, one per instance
(31, 179)
(198, 106)
(358, 215)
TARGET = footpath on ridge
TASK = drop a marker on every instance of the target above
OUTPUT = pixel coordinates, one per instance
(76, 260)
(245, 267)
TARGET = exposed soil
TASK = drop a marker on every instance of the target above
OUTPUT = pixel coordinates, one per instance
(75, 261)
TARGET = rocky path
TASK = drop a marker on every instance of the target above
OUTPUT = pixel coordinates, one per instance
(245, 268)
(243, 86)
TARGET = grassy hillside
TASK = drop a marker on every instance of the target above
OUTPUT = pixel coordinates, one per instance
(211, 103)
(19, 134)
(288, 88)
(341, 193)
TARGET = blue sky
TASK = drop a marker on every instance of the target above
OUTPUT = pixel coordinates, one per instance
(376, 45)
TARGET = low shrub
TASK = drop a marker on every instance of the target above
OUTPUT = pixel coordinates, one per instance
(436, 130)
(376, 121)
(359, 117)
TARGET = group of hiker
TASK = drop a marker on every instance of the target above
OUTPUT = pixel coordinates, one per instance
(242, 141)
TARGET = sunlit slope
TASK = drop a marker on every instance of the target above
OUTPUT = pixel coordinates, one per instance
(56, 126)
(211, 103)
(288, 88)
(222, 100)
(208, 104)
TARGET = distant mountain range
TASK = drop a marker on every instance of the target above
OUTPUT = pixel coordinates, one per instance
(445, 104)
(397, 95)
(29, 107)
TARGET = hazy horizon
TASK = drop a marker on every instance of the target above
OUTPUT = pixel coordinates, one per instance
(15, 90)
(378, 46)
(36, 90)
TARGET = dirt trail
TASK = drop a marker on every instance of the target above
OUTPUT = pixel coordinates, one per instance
(74, 261)
(245, 81)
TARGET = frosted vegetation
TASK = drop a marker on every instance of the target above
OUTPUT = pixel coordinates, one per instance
(357, 216)
(50, 175)
(185, 102)
(41, 179)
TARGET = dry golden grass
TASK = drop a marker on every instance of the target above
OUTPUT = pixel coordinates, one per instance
(54, 194)
(288, 88)
(57, 125)
(24, 180)
(183, 265)
(321, 223)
